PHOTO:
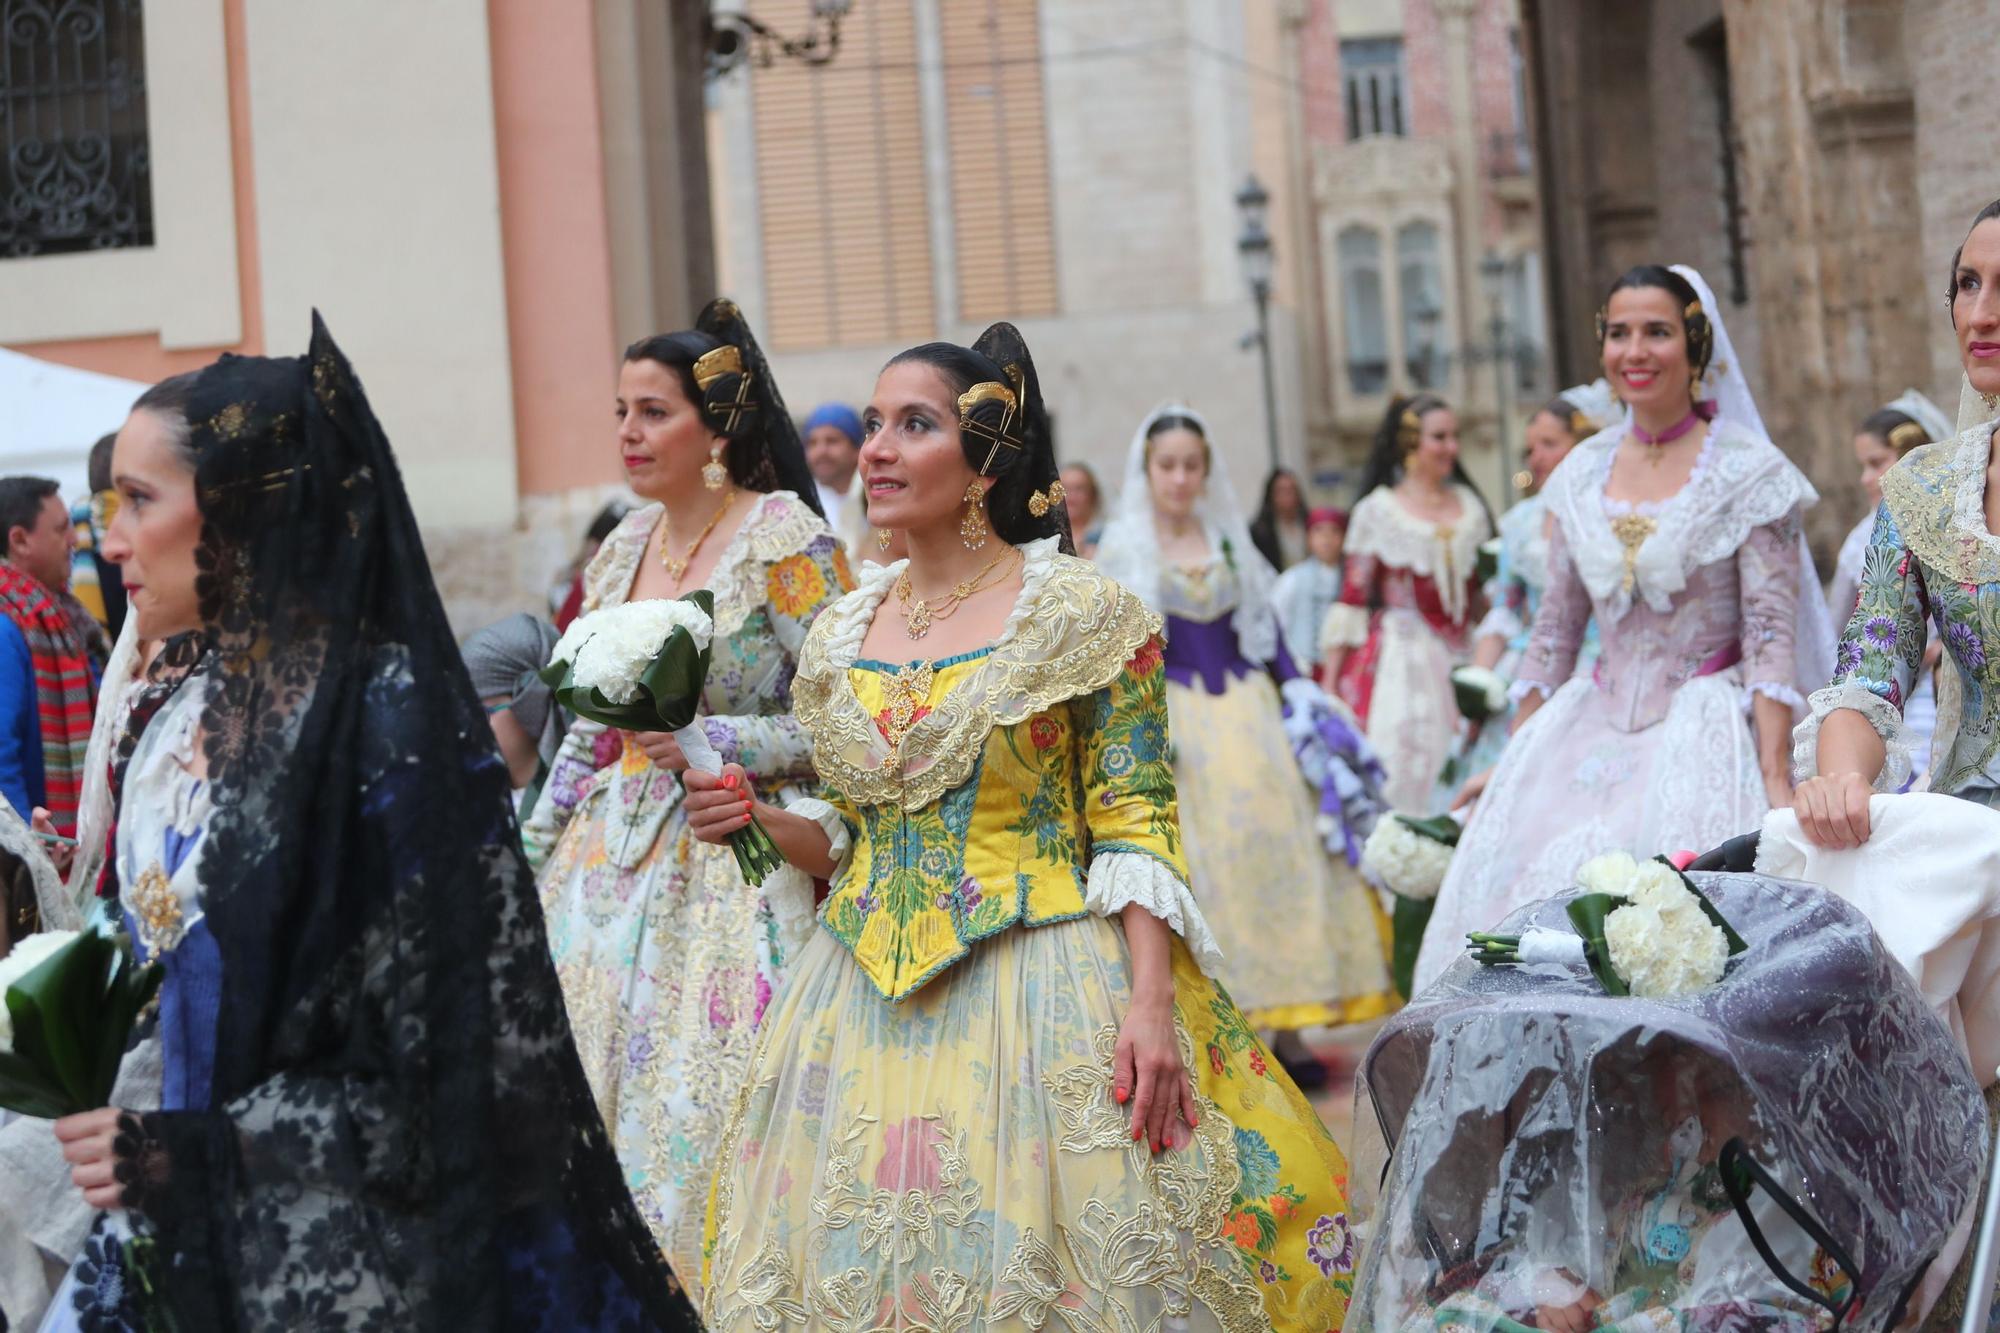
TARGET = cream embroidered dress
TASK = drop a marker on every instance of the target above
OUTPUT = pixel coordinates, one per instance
(667, 958)
(1405, 612)
(928, 1139)
(1698, 604)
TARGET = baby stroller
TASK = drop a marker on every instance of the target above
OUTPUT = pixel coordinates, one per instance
(1787, 1150)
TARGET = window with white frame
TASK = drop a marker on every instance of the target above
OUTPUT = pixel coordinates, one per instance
(1420, 282)
(1364, 321)
(1371, 76)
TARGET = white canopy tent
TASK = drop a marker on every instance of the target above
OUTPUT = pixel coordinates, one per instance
(50, 415)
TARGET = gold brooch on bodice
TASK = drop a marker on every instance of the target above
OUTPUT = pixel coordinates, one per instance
(1632, 530)
(908, 688)
(156, 910)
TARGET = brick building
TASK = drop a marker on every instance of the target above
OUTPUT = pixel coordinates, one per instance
(1817, 159)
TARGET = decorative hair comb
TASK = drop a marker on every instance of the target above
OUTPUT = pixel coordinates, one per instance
(1006, 432)
(711, 369)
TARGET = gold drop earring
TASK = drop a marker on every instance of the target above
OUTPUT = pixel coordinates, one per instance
(713, 474)
(972, 528)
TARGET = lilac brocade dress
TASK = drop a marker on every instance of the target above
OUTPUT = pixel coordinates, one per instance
(1653, 750)
(1298, 930)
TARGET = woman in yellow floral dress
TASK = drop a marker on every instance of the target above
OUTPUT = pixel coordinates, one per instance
(668, 959)
(971, 1105)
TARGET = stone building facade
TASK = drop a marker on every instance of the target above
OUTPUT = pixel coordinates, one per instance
(1818, 160)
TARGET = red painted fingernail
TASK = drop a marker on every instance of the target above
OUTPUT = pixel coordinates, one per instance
(1138, 1134)
(729, 781)
(1122, 1095)
(1158, 1147)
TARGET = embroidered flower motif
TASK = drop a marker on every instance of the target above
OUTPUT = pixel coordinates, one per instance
(909, 1157)
(1147, 660)
(1257, 1065)
(962, 901)
(813, 1083)
(1118, 760)
(1847, 658)
(1259, 1162)
(843, 572)
(1965, 644)
(1267, 1272)
(1881, 632)
(1215, 1059)
(1330, 1245)
(795, 585)
(1045, 732)
(1242, 1230)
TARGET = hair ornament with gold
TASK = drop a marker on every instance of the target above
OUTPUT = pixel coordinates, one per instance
(1041, 502)
(991, 411)
(1409, 430)
(728, 390)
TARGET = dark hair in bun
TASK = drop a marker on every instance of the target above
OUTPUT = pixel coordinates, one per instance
(1010, 442)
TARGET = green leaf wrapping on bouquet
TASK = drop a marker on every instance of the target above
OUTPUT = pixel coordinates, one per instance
(1587, 913)
(1438, 828)
(1487, 563)
(1737, 944)
(1407, 921)
(669, 689)
(72, 1019)
(1471, 699)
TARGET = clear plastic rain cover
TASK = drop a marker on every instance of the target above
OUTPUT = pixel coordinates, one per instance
(1566, 1160)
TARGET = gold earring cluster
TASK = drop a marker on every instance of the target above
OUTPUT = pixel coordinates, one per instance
(972, 529)
(714, 474)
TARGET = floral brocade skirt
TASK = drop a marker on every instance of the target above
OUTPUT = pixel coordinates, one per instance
(1299, 928)
(957, 1161)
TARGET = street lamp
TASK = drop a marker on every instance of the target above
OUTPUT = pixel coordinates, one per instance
(735, 38)
(1254, 247)
(1493, 270)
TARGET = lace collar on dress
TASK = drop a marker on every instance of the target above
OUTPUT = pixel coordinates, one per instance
(778, 525)
(1071, 632)
(1741, 482)
(1937, 495)
(1446, 554)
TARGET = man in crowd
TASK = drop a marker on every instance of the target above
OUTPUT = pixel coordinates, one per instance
(48, 678)
(833, 452)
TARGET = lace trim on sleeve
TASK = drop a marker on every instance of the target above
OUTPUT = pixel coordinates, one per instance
(840, 843)
(1345, 626)
(1881, 714)
(1521, 689)
(1772, 689)
(1500, 623)
(1119, 879)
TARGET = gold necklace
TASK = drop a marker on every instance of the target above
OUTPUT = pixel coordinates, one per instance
(919, 613)
(676, 566)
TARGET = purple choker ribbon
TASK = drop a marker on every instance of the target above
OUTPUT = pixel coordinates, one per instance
(1700, 412)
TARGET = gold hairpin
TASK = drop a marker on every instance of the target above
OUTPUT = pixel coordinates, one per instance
(712, 366)
(1041, 502)
(1003, 434)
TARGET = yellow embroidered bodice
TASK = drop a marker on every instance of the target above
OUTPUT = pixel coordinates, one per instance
(978, 790)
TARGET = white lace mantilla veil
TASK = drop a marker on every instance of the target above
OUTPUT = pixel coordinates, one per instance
(1129, 550)
(1814, 636)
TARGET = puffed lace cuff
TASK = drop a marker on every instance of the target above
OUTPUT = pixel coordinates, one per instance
(1881, 714)
(1345, 626)
(840, 843)
(1120, 879)
(1521, 689)
(1772, 689)
(1500, 623)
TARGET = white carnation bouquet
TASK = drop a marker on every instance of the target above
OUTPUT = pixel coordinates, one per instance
(641, 666)
(1408, 858)
(1642, 927)
(68, 1000)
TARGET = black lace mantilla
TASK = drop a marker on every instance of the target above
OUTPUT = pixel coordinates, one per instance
(399, 1135)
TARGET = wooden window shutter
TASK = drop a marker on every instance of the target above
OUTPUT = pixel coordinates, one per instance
(996, 115)
(842, 199)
